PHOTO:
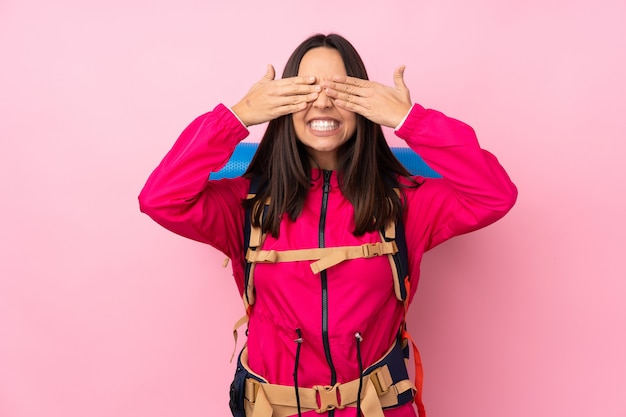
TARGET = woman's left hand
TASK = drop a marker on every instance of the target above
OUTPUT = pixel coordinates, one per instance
(381, 104)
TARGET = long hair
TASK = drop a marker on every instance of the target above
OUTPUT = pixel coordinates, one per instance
(368, 170)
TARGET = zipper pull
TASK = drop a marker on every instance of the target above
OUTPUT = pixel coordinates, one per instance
(327, 175)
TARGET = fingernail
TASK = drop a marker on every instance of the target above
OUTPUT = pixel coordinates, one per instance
(311, 78)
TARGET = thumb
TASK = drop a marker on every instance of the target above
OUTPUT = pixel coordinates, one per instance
(398, 78)
(270, 74)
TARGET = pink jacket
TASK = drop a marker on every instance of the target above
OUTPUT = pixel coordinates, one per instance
(357, 295)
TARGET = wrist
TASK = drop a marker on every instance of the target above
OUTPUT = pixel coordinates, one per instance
(240, 114)
(236, 114)
(406, 115)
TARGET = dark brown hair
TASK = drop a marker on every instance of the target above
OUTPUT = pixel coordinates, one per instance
(368, 170)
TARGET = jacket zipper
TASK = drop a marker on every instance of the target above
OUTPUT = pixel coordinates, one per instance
(324, 282)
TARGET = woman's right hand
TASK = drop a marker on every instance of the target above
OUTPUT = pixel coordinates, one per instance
(269, 98)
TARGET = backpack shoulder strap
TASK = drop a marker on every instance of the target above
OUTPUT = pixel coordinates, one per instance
(252, 240)
(255, 183)
(400, 259)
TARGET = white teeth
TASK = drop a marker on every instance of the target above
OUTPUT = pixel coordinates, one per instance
(323, 125)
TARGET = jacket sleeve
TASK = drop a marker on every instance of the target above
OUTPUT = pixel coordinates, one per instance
(474, 190)
(179, 196)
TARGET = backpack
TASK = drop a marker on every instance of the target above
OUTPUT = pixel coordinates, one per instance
(393, 245)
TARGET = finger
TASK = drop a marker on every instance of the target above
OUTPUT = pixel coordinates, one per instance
(270, 74)
(290, 108)
(300, 98)
(330, 92)
(353, 86)
(354, 81)
(398, 77)
(346, 94)
(354, 105)
(297, 89)
(278, 101)
(301, 79)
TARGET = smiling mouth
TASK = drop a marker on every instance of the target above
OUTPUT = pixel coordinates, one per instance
(323, 125)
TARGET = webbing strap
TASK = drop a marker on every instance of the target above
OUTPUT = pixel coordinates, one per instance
(237, 325)
(390, 230)
(256, 237)
(324, 257)
(265, 400)
(256, 234)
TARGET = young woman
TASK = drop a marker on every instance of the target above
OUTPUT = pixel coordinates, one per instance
(319, 268)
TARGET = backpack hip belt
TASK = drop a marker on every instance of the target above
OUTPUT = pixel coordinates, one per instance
(385, 384)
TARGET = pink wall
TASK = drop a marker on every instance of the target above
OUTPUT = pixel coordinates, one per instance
(103, 313)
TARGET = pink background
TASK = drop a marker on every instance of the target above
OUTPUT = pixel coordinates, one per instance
(103, 313)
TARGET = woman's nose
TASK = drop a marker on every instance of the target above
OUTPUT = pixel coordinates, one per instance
(323, 101)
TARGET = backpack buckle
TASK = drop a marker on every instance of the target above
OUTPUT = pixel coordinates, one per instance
(382, 380)
(371, 249)
(328, 398)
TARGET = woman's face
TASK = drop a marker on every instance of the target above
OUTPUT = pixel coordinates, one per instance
(322, 127)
